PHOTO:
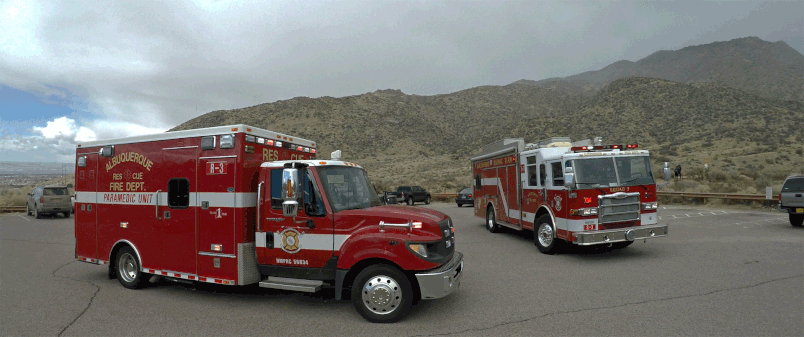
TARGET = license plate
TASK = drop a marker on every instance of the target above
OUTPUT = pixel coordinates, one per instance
(799, 210)
(449, 243)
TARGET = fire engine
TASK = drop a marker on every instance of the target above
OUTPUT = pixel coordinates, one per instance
(581, 193)
(239, 205)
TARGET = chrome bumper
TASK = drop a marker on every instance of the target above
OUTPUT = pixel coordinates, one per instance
(619, 235)
(443, 280)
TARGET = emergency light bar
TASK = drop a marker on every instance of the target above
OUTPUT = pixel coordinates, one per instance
(602, 147)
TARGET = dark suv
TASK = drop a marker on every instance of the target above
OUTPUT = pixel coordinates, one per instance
(49, 200)
(791, 199)
(412, 194)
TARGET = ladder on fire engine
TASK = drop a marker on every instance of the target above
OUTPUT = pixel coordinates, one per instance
(293, 284)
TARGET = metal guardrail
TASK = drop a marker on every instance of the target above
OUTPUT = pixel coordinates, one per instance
(8, 209)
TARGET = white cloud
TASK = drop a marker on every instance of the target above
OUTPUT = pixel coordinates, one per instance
(56, 141)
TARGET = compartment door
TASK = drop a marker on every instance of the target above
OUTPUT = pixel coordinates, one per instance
(178, 211)
(216, 214)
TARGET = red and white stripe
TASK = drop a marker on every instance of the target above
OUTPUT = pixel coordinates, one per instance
(191, 277)
(93, 261)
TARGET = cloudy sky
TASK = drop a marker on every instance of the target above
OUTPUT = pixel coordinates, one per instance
(72, 71)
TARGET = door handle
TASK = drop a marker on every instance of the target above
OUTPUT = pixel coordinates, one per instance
(310, 224)
(157, 204)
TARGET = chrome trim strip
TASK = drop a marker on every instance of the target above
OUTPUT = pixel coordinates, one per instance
(232, 256)
(217, 157)
(179, 148)
(156, 203)
(259, 194)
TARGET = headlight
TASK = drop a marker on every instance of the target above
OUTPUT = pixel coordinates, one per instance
(418, 248)
(649, 206)
(584, 211)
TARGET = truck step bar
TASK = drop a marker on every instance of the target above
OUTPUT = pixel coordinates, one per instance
(283, 283)
(509, 225)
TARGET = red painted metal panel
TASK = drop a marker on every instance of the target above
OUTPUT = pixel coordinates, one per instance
(178, 230)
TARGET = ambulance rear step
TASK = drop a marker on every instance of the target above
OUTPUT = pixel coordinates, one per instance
(293, 284)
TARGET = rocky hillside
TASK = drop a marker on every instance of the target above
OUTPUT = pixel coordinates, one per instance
(428, 140)
(768, 69)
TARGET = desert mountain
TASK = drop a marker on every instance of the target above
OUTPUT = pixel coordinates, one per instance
(428, 140)
(768, 69)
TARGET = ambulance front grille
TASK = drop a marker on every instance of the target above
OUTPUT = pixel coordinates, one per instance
(618, 207)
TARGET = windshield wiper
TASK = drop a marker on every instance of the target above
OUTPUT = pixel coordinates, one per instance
(590, 185)
(625, 182)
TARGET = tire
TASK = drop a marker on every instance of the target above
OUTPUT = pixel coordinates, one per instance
(410, 201)
(797, 220)
(382, 294)
(621, 245)
(544, 236)
(427, 201)
(127, 266)
(36, 213)
(66, 214)
(459, 205)
(28, 208)
(491, 221)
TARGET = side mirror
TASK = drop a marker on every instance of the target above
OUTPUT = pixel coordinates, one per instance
(290, 191)
(569, 179)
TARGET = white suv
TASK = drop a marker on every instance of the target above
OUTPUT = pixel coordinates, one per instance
(791, 199)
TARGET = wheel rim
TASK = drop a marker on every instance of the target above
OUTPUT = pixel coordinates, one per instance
(545, 235)
(490, 221)
(410, 201)
(128, 267)
(382, 295)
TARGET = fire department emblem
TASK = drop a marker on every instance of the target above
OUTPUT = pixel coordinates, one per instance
(290, 240)
(557, 200)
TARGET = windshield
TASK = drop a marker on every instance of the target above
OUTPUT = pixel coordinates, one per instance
(55, 191)
(347, 188)
(601, 172)
(794, 185)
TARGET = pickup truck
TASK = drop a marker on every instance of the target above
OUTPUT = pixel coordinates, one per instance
(791, 199)
(412, 194)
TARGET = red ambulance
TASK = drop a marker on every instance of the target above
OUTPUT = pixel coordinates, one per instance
(238, 205)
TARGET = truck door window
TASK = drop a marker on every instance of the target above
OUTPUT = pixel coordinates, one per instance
(313, 205)
(276, 189)
(558, 174)
(542, 175)
(532, 175)
(178, 193)
(477, 182)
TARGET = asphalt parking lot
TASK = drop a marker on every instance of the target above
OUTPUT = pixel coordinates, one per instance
(719, 272)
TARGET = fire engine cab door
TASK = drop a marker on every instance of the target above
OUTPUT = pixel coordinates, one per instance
(178, 211)
(299, 246)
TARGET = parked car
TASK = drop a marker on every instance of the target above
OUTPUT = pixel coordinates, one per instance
(791, 199)
(49, 200)
(465, 197)
(412, 194)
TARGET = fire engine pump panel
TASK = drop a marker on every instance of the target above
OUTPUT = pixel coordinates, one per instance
(238, 205)
(584, 193)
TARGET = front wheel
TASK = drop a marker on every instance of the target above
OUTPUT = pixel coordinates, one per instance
(491, 221)
(427, 201)
(382, 294)
(544, 237)
(128, 268)
(797, 220)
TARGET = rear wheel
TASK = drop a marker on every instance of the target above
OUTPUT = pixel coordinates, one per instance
(36, 213)
(66, 214)
(797, 220)
(459, 205)
(128, 268)
(28, 208)
(544, 237)
(410, 201)
(382, 294)
(491, 220)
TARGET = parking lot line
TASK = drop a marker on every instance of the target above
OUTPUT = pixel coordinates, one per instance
(26, 219)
